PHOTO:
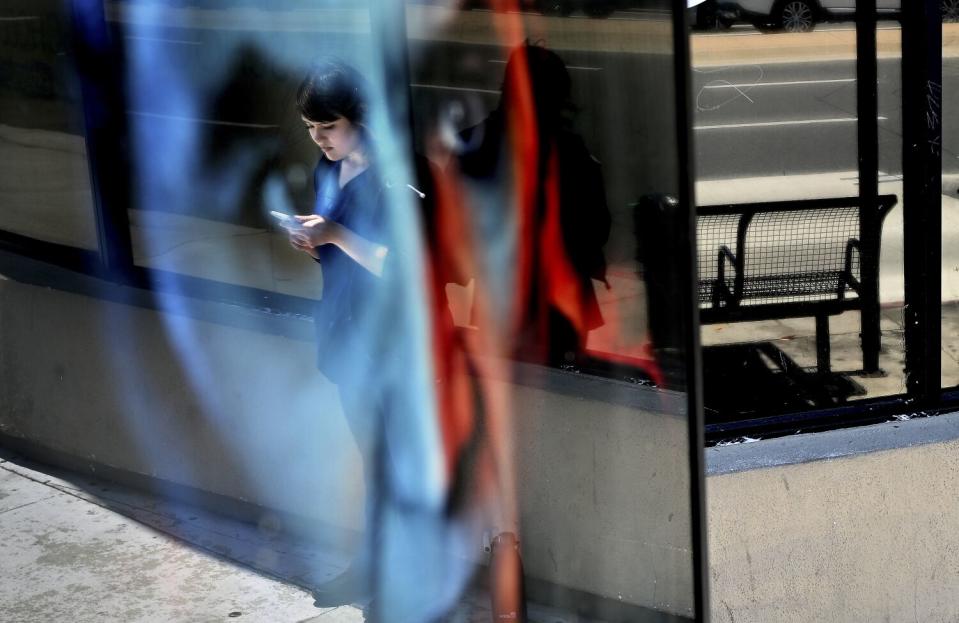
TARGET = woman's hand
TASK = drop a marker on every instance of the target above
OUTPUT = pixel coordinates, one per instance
(306, 248)
(315, 231)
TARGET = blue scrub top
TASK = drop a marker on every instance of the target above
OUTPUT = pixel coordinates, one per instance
(346, 337)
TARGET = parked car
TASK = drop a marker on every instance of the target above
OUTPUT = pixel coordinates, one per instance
(802, 15)
(703, 14)
(711, 14)
(592, 8)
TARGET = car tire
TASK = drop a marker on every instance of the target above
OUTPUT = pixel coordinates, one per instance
(702, 17)
(599, 8)
(707, 18)
(950, 10)
(795, 15)
(555, 7)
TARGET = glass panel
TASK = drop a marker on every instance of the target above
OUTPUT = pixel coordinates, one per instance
(500, 325)
(44, 177)
(550, 139)
(776, 121)
(891, 379)
(950, 197)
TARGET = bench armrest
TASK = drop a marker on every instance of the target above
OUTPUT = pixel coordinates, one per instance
(852, 245)
(721, 290)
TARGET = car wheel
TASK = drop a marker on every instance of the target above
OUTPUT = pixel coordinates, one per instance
(599, 8)
(703, 17)
(950, 10)
(555, 7)
(795, 15)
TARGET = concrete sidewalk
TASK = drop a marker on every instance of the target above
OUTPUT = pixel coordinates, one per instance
(76, 548)
(81, 549)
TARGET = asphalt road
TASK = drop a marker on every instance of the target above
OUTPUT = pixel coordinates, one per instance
(781, 119)
(762, 119)
(753, 120)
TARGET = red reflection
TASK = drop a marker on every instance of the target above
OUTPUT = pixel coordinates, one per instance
(553, 315)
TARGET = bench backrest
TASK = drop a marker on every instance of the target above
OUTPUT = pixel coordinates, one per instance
(787, 251)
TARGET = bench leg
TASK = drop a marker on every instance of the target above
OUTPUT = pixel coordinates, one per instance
(869, 327)
(822, 344)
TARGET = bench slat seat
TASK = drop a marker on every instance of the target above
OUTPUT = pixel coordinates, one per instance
(808, 286)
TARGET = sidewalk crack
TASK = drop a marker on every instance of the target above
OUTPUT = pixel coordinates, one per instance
(2, 512)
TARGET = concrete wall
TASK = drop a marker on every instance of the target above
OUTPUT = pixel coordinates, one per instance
(195, 397)
(867, 536)
(603, 492)
(190, 401)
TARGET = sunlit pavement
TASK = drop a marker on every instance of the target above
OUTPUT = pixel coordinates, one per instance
(78, 549)
(81, 549)
(827, 44)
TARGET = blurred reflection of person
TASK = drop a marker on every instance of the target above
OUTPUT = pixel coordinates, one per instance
(559, 221)
(346, 236)
(521, 209)
(361, 322)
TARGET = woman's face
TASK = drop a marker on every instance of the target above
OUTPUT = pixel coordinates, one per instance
(338, 138)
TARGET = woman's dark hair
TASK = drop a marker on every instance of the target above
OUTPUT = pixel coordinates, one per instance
(330, 90)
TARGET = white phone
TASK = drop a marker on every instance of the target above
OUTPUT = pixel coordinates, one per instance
(284, 218)
(277, 199)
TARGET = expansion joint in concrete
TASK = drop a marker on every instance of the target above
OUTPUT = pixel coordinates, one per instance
(7, 510)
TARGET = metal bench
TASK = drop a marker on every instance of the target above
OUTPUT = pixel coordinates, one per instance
(788, 259)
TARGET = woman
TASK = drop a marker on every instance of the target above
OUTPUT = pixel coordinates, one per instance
(347, 236)
(367, 346)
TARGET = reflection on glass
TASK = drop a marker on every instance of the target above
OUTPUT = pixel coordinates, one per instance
(553, 146)
(497, 327)
(44, 177)
(776, 121)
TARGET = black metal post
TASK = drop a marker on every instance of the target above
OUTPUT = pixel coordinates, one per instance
(867, 112)
(100, 64)
(922, 195)
(689, 309)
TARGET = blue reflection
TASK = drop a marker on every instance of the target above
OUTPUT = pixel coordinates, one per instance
(202, 144)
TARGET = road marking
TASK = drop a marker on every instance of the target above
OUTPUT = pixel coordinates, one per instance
(158, 40)
(449, 88)
(770, 124)
(580, 67)
(19, 18)
(776, 84)
(261, 126)
(854, 30)
(759, 33)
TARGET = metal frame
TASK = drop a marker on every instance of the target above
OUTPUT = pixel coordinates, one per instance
(100, 62)
(922, 196)
(867, 104)
(689, 308)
